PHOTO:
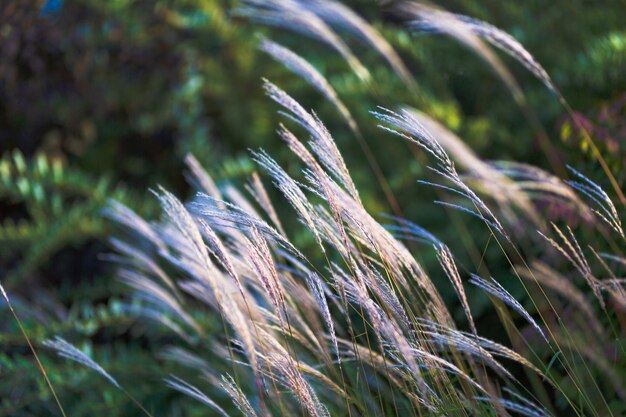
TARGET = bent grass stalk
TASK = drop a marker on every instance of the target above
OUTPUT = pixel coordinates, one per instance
(42, 369)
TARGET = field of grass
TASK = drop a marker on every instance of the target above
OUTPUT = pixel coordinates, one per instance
(292, 207)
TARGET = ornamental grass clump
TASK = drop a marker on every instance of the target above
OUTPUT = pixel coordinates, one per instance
(355, 324)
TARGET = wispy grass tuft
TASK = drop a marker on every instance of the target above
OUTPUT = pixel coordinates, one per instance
(71, 352)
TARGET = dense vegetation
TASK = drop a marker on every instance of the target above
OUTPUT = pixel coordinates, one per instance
(103, 101)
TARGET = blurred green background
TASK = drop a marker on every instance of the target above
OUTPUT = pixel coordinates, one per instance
(103, 99)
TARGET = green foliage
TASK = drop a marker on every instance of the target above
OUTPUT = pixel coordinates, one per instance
(53, 206)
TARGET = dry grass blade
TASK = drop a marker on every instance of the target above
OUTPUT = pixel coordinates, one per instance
(188, 389)
(317, 289)
(497, 290)
(154, 294)
(200, 177)
(239, 398)
(476, 345)
(525, 409)
(342, 17)
(446, 260)
(411, 129)
(124, 216)
(260, 258)
(607, 212)
(540, 185)
(509, 45)
(493, 183)
(310, 74)
(548, 277)
(33, 351)
(321, 142)
(431, 19)
(573, 253)
(69, 351)
(291, 190)
(289, 376)
(258, 192)
(287, 14)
